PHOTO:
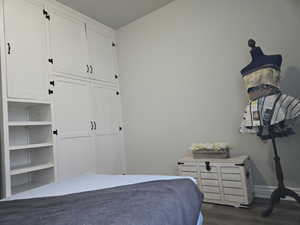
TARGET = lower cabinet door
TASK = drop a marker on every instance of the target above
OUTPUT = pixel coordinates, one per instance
(72, 119)
(75, 157)
(110, 157)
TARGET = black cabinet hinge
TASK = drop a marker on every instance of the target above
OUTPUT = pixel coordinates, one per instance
(55, 132)
(52, 83)
(46, 14)
(114, 44)
(51, 61)
(50, 92)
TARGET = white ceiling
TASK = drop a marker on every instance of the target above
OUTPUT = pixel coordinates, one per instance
(115, 13)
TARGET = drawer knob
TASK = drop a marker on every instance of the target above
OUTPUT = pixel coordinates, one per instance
(207, 165)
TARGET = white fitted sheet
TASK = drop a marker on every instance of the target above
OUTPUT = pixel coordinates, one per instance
(90, 182)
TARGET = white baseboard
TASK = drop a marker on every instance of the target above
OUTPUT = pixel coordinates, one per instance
(262, 191)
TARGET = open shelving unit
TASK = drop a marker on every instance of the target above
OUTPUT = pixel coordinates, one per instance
(30, 150)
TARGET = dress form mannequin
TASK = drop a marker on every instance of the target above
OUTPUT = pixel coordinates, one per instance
(261, 61)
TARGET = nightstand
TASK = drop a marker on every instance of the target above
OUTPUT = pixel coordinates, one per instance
(223, 181)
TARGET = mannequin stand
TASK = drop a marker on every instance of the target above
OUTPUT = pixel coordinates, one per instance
(281, 191)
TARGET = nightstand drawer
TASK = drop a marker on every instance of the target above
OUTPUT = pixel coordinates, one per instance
(205, 182)
(233, 191)
(211, 196)
(234, 198)
(210, 189)
(231, 177)
(203, 169)
(212, 176)
(230, 170)
(233, 184)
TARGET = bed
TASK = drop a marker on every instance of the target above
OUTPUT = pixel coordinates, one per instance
(90, 186)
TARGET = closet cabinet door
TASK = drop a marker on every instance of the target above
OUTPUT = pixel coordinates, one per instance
(101, 55)
(110, 154)
(72, 115)
(107, 109)
(74, 157)
(108, 140)
(68, 44)
(27, 62)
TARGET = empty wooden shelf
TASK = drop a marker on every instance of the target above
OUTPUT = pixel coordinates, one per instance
(30, 146)
(30, 168)
(28, 123)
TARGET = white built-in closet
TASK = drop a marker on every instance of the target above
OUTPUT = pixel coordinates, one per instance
(61, 110)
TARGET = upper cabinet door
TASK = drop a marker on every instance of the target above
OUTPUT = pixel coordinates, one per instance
(72, 107)
(107, 109)
(26, 46)
(101, 55)
(68, 44)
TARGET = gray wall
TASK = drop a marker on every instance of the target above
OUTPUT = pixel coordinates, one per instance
(180, 80)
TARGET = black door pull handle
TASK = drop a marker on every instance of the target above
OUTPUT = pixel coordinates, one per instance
(208, 167)
(88, 68)
(92, 125)
(95, 125)
(247, 174)
(92, 69)
(8, 48)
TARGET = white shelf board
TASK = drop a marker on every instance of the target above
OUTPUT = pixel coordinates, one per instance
(28, 123)
(28, 101)
(31, 168)
(32, 146)
(26, 187)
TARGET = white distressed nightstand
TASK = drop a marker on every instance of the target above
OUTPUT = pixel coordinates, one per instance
(223, 181)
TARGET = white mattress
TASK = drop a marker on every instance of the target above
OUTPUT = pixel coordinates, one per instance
(90, 182)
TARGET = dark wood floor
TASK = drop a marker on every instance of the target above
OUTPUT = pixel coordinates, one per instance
(286, 213)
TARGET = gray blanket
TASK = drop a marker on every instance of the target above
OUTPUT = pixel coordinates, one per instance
(168, 202)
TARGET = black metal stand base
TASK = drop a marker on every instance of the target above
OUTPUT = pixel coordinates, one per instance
(276, 196)
(281, 192)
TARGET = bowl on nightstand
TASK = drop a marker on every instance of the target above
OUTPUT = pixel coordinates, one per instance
(211, 153)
